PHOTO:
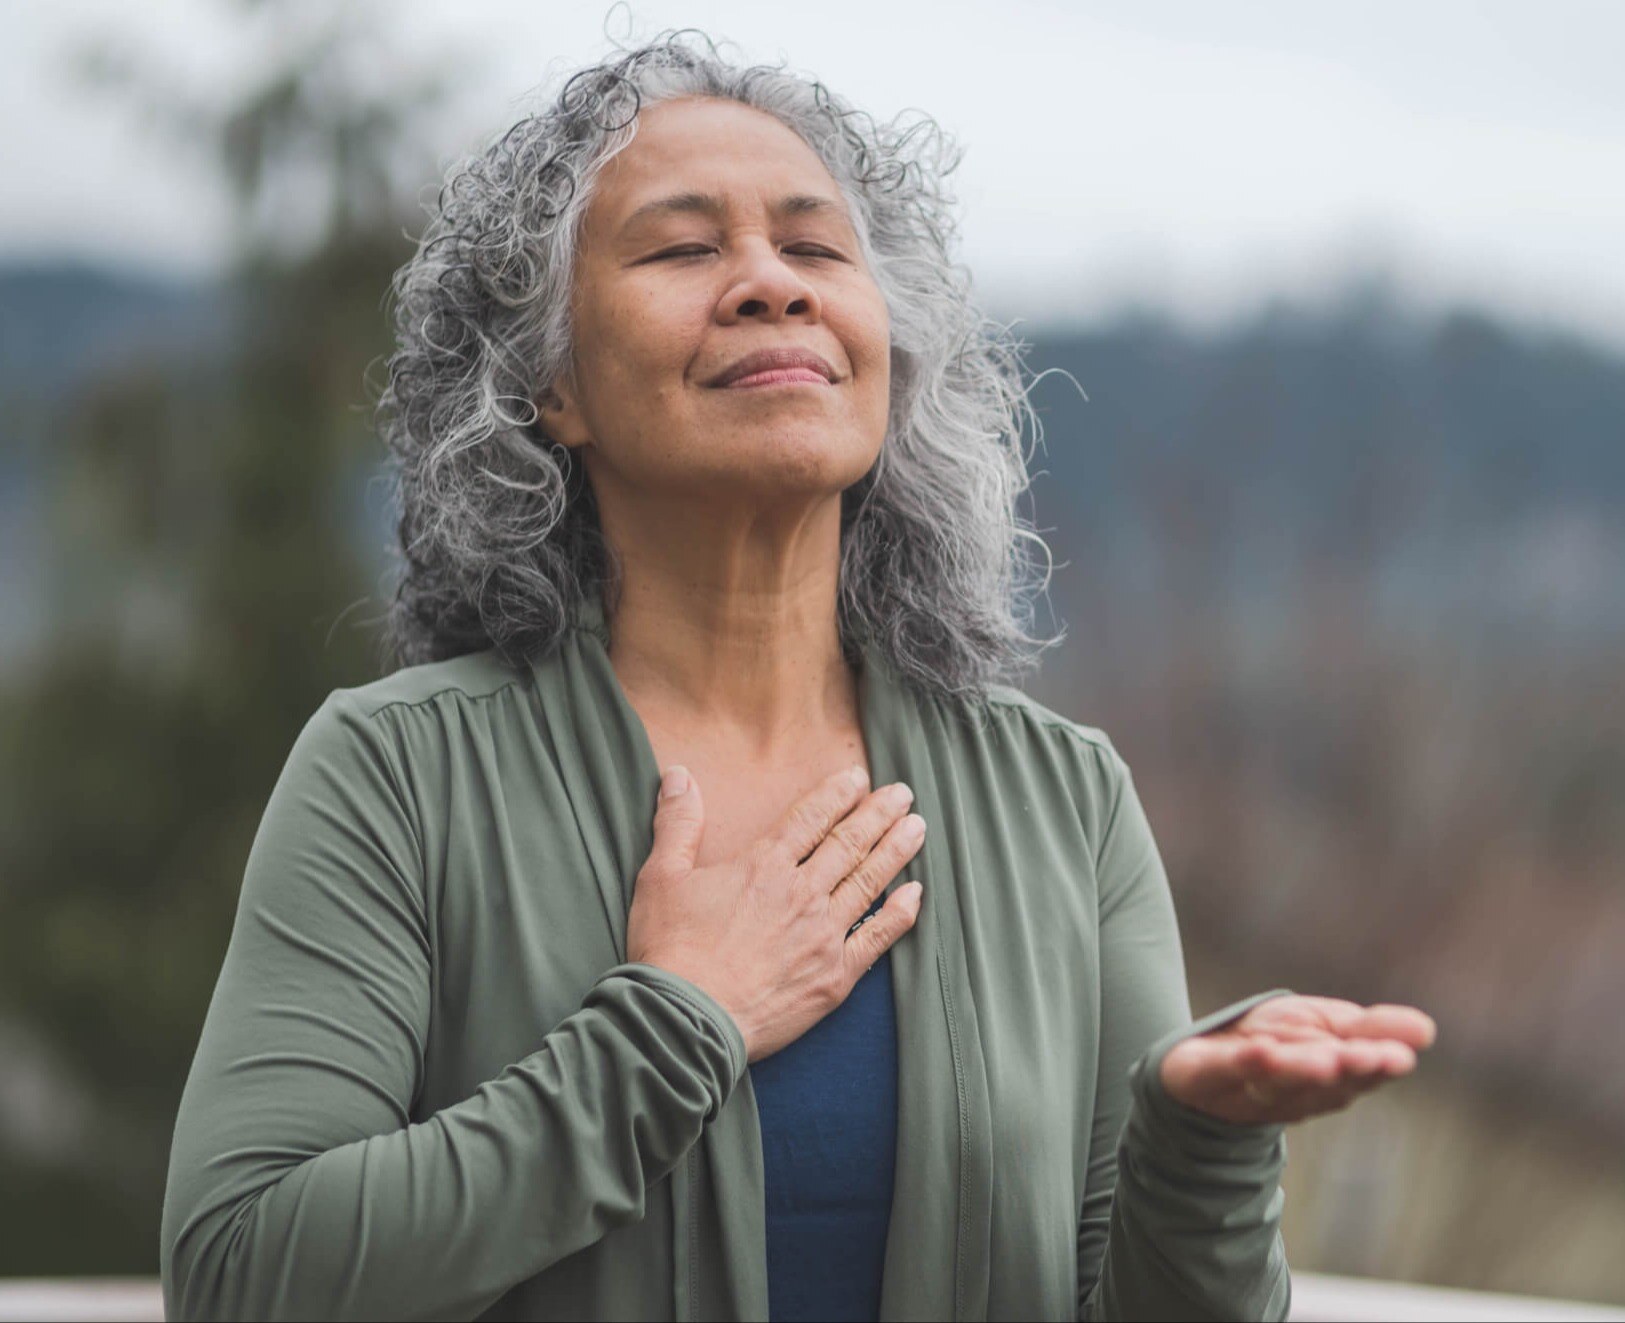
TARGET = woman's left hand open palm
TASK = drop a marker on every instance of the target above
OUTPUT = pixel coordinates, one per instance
(1290, 1058)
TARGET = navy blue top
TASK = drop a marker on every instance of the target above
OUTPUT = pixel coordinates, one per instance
(828, 1104)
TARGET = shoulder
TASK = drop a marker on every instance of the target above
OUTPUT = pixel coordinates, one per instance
(472, 678)
(393, 740)
(1038, 756)
(1097, 772)
(1007, 703)
(403, 719)
(1021, 724)
(1085, 776)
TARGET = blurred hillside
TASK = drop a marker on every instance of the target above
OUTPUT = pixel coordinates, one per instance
(1360, 438)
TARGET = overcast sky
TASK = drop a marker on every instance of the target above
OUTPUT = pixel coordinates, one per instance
(1197, 156)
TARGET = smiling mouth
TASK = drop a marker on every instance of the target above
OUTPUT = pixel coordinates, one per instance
(783, 365)
(795, 376)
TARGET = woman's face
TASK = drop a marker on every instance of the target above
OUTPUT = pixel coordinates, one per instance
(715, 234)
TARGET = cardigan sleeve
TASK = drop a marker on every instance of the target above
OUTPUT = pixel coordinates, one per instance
(297, 1185)
(1181, 1211)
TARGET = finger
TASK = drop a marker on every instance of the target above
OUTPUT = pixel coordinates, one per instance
(1362, 1056)
(1291, 1070)
(1377, 1056)
(807, 821)
(1255, 1080)
(856, 892)
(1293, 1061)
(1408, 1024)
(679, 825)
(851, 839)
(876, 936)
(1296, 1084)
(1287, 1066)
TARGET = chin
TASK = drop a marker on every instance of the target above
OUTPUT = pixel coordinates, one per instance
(800, 459)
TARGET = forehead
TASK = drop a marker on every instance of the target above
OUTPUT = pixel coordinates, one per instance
(708, 145)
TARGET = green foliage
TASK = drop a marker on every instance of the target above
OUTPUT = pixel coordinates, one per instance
(204, 567)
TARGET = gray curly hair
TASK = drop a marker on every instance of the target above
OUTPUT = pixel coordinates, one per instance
(499, 539)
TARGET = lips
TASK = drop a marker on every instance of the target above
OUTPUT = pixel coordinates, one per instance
(768, 366)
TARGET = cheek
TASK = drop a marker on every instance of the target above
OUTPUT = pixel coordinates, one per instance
(641, 331)
(872, 326)
(633, 350)
(872, 357)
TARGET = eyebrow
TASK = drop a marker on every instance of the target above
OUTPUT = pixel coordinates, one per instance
(709, 204)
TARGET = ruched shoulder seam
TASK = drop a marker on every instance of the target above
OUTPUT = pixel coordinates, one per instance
(410, 704)
(1041, 716)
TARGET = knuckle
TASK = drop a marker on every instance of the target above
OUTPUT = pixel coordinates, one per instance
(796, 822)
(808, 821)
(864, 879)
(654, 873)
(846, 843)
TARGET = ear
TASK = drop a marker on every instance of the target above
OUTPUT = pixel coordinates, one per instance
(559, 416)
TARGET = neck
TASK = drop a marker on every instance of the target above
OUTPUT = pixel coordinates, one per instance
(726, 624)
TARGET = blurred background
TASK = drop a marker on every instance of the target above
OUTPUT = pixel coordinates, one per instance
(1338, 527)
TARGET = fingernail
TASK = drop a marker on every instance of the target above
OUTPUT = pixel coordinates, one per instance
(674, 782)
(912, 894)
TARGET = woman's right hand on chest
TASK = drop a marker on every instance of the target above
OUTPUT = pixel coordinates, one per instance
(766, 932)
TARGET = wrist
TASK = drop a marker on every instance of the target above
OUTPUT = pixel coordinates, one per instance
(1178, 1122)
(701, 973)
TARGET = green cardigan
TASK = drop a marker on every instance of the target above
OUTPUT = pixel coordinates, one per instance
(429, 1084)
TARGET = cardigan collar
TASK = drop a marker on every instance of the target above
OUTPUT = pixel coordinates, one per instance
(937, 1249)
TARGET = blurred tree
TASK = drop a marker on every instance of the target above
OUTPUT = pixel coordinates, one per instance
(206, 552)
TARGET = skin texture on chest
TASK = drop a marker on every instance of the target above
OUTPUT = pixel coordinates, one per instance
(745, 798)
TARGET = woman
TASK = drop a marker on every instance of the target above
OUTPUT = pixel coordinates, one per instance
(707, 465)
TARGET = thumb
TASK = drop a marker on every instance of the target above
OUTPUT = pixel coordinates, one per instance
(679, 823)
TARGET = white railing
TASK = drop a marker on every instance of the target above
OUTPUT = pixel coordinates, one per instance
(1315, 1299)
(44, 1299)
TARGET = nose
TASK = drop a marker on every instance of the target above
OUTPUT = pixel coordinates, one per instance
(769, 289)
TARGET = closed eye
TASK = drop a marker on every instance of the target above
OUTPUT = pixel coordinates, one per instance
(690, 251)
(800, 250)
